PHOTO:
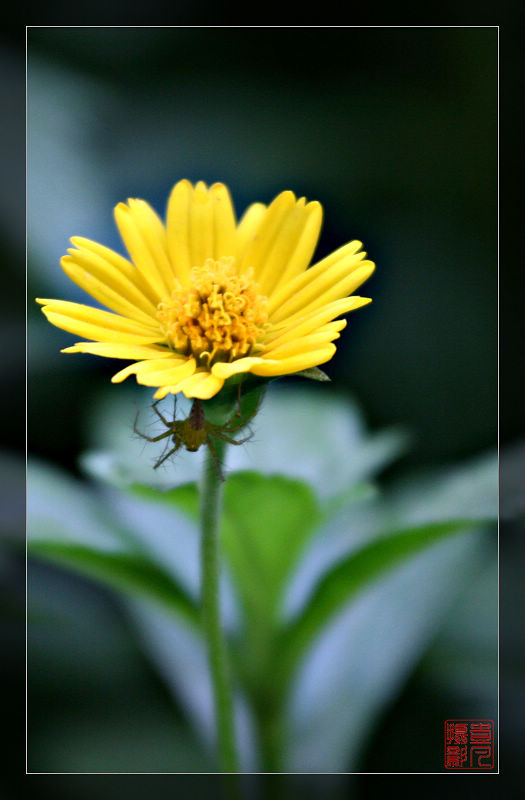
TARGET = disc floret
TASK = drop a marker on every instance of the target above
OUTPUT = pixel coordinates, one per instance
(219, 316)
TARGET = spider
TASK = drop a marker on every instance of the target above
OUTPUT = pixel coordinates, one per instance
(195, 431)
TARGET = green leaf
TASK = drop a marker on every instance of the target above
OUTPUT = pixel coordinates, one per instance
(267, 520)
(314, 374)
(129, 572)
(369, 651)
(118, 737)
(310, 434)
(70, 524)
(352, 575)
(303, 431)
(355, 494)
(185, 497)
(266, 523)
(468, 490)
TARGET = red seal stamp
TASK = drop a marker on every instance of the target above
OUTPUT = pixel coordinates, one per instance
(469, 744)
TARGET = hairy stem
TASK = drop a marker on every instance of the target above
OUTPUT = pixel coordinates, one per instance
(210, 514)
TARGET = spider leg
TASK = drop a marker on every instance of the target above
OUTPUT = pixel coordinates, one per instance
(155, 438)
(238, 412)
(161, 416)
(237, 421)
(149, 438)
(231, 426)
(163, 458)
(231, 440)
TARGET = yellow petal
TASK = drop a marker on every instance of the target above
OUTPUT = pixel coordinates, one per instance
(294, 246)
(307, 323)
(177, 225)
(168, 376)
(119, 263)
(307, 344)
(101, 326)
(202, 385)
(165, 390)
(97, 316)
(95, 332)
(154, 237)
(113, 292)
(143, 369)
(112, 350)
(267, 234)
(342, 256)
(138, 226)
(339, 324)
(223, 221)
(247, 228)
(287, 366)
(308, 299)
(225, 370)
(201, 225)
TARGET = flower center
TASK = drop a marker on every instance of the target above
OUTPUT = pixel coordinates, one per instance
(218, 317)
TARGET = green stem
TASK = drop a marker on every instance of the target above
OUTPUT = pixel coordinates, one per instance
(269, 724)
(210, 514)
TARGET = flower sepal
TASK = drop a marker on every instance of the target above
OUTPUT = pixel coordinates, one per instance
(314, 374)
(241, 394)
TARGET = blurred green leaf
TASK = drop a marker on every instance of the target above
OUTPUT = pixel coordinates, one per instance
(62, 509)
(185, 497)
(267, 521)
(310, 434)
(354, 573)
(128, 572)
(463, 661)
(468, 490)
(356, 494)
(179, 655)
(70, 525)
(92, 703)
(303, 432)
(465, 491)
(115, 740)
(367, 652)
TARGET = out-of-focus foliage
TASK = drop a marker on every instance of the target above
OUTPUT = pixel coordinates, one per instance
(331, 588)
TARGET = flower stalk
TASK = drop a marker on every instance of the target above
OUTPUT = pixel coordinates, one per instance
(210, 514)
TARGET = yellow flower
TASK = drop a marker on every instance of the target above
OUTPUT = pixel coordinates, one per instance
(203, 298)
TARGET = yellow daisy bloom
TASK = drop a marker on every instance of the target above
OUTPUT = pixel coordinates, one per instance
(204, 298)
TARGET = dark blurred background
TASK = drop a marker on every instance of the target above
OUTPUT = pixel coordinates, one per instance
(393, 130)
